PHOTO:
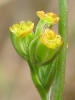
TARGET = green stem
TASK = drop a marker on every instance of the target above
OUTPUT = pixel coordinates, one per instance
(36, 81)
(40, 27)
(61, 63)
(45, 95)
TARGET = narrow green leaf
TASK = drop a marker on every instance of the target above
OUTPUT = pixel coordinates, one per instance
(20, 45)
(32, 48)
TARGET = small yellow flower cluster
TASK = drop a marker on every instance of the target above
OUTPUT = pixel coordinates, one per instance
(51, 39)
(49, 17)
(48, 37)
(22, 29)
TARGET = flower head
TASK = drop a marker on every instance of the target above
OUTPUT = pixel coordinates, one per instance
(50, 39)
(49, 17)
(22, 29)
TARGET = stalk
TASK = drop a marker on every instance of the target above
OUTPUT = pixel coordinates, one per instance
(61, 60)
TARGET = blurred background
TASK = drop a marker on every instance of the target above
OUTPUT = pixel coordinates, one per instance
(15, 78)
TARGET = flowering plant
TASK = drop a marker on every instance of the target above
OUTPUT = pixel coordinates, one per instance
(40, 49)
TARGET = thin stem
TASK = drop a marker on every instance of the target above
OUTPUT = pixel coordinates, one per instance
(61, 63)
(45, 95)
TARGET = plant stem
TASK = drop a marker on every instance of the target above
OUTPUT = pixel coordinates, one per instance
(61, 63)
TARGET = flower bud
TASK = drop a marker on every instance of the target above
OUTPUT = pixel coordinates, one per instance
(49, 17)
(48, 46)
(22, 29)
(21, 36)
(51, 39)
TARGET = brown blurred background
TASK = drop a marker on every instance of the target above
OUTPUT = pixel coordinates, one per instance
(15, 79)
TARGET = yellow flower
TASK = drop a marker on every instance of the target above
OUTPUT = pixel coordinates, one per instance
(50, 39)
(49, 17)
(22, 29)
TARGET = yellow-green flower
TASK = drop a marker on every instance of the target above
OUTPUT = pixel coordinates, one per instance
(49, 17)
(22, 29)
(50, 39)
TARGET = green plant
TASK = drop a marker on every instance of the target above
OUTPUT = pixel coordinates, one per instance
(44, 50)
